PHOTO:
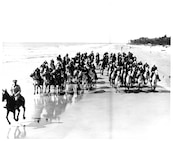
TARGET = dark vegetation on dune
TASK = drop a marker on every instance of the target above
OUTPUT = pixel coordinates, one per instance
(152, 41)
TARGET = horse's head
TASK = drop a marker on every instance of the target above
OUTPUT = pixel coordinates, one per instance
(4, 94)
(156, 72)
(138, 72)
(118, 72)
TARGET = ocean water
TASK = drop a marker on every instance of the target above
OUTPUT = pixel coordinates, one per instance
(18, 52)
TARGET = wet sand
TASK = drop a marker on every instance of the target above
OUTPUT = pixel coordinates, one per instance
(99, 113)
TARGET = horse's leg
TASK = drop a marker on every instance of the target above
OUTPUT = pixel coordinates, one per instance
(46, 88)
(41, 88)
(24, 109)
(7, 117)
(34, 89)
(151, 83)
(108, 71)
(113, 82)
(49, 88)
(18, 114)
(37, 89)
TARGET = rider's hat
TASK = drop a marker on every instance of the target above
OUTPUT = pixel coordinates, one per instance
(45, 62)
(140, 63)
(14, 80)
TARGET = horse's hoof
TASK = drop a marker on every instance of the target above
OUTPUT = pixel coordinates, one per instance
(24, 117)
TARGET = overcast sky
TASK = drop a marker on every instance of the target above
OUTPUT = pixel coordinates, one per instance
(84, 20)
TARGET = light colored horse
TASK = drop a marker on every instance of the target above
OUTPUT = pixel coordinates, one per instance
(112, 77)
(38, 81)
(93, 77)
(117, 82)
(133, 75)
(146, 75)
(128, 80)
(101, 67)
(140, 79)
(48, 80)
(124, 77)
(154, 81)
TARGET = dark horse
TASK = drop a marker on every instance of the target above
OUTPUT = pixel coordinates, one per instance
(38, 81)
(12, 105)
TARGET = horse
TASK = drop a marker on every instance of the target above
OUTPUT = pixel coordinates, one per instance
(97, 60)
(93, 77)
(102, 67)
(58, 78)
(85, 80)
(112, 77)
(128, 80)
(13, 105)
(146, 75)
(139, 79)
(110, 64)
(153, 81)
(133, 75)
(48, 80)
(123, 77)
(38, 81)
(117, 81)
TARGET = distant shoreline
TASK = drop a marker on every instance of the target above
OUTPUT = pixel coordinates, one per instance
(151, 45)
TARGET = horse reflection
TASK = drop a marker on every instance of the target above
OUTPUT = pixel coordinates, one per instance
(18, 133)
(54, 107)
(39, 103)
(50, 107)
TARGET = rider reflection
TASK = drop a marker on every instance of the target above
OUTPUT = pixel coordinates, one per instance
(18, 133)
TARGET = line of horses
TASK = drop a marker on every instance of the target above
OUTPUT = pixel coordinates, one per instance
(80, 68)
(125, 71)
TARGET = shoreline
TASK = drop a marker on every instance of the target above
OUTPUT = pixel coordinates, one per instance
(124, 111)
(35, 58)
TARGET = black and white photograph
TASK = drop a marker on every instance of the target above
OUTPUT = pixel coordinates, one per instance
(86, 69)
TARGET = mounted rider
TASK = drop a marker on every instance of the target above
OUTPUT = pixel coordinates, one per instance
(97, 59)
(153, 69)
(15, 90)
(52, 65)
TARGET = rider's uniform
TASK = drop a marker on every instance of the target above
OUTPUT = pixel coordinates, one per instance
(153, 69)
(16, 90)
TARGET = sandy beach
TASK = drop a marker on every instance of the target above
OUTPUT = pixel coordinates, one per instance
(100, 113)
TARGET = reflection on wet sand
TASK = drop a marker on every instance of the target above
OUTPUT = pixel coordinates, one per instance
(48, 108)
(18, 133)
